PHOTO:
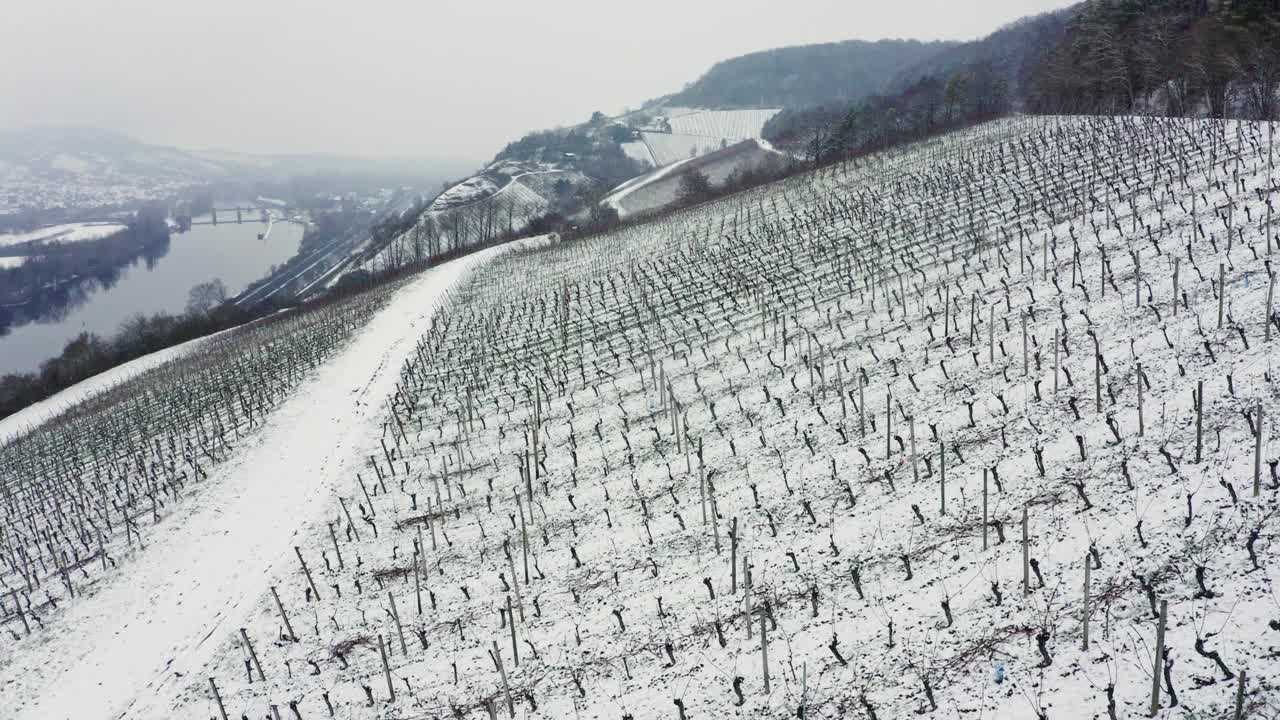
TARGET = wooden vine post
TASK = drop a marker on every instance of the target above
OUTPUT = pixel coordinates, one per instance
(862, 406)
(764, 652)
(985, 520)
(1141, 420)
(1056, 348)
(1222, 290)
(1085, 610)
(1199, 419)
(991, 334)
(1026, 556)
(1025, 365)
(942, 483)
(502, 673)
(253, 654)
(888, 424)
(524, 536)
(511, 621)
(386, 667)
(1271, 291)
(217, 697)
(1239, 713)
(1137, 279)
(1097, 381)
(395, 615)
(283, 615)
(733, 557)
(1159, 659)
(306, 571)
(1257, 452)
(915, 470)
(1176, 262)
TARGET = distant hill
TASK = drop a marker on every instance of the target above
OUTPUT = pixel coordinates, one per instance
(92, 152)
(830, 73)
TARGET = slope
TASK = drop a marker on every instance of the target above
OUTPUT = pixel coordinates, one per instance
(723, 463)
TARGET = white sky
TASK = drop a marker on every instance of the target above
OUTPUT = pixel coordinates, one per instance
(403, 77)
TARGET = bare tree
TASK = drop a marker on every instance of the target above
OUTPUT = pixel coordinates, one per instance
(1257, 64)
(1211, 66)
(206, 296)
(1159, 49)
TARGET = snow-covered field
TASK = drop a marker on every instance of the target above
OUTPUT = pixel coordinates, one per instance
(639, 152)
(72, 232)
(620, 195)
(723, 464)
(695, 132)
(730, 124)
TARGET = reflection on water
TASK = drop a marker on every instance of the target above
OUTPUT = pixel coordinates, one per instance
(158, 281)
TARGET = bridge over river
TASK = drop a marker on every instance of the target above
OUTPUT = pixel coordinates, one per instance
(252, 214)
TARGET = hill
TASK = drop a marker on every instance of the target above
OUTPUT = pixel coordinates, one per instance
(82, 168)
(830, 73)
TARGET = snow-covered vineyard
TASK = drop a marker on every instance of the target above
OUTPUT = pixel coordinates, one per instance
(979, 427)
(84, 488)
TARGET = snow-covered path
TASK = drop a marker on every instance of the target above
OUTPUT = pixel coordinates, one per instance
(121, 652)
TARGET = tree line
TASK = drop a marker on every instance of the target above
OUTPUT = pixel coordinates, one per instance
(1202, 58)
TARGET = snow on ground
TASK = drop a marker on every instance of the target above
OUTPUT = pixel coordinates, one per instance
(71, 232)
(468, 190)
(668, 148)
(618, 196)
(136, 639)
(12, 261)
(639, 152)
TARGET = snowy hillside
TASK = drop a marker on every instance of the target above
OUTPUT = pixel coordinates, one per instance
(74, 167)
(717, 464)
(501, 200)
(746, 469)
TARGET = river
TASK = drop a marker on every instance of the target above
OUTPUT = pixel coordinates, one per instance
(228, 251)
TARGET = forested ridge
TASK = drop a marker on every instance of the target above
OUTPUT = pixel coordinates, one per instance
(1182, 58)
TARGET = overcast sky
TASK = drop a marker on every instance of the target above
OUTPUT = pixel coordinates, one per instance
(404, 77)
